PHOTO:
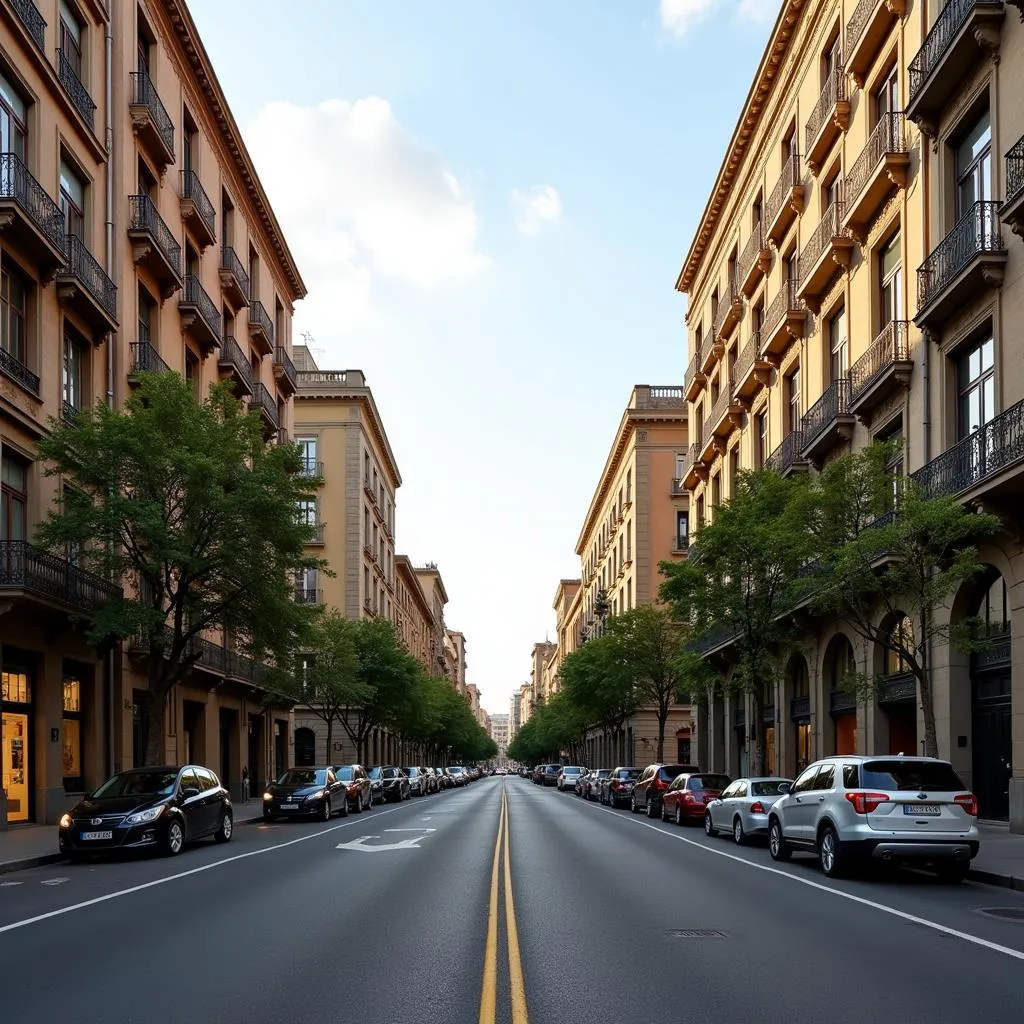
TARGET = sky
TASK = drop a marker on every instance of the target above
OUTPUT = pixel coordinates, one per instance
(489, 202)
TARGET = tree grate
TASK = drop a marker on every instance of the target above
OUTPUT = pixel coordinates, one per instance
(696, 933)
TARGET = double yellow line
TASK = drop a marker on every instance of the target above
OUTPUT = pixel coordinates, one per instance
(489, 991)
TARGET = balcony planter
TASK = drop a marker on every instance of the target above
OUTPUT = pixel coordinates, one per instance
(883, 164)
(234, 281)
(884, 368)
(30, 218)
(150, 121)
(84, 288)
(786, 201)
(153, 244)
(829, 119)
(829, 251)
(196, 209)
(828, 422)
(866, 31)
(1012, 211)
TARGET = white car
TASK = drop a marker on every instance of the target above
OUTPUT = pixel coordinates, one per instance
(568, 775)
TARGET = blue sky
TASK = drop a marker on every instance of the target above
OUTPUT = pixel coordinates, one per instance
(490, 202)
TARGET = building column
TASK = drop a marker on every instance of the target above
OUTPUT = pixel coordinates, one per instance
(48, 709)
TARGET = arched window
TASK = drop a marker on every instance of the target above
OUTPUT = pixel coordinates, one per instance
(902, 634)
(993, 609)
(305, 747)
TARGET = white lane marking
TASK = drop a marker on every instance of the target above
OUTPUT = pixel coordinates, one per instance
(7, 885)
(410, 830)
(60, 911)
(403, 844)
(976, 940)
(54, 881)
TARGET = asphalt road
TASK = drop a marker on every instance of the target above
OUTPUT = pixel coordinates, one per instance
(282, 926)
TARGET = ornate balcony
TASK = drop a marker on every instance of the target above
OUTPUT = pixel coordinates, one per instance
(725, 412)
(311, 467)
(234, 281)
(232, 361)
(41, 576)
(32, 21)
(866, 32)
(76, 90)
(751, 372)
(884, 368)
(963, 31)
(730, 312)
(678, 487)
(261, 328)
(29, 218)
(200, 315)
(16, 370)
(828, 251)
(971, 258)
(263, 402)
(196, 209)
(828, 422)
(829, 119)
(150, 121)
(711, 350)
(308, 595)
(883, 164)
(316, 537)
(144, 359)
(284, 371)
(785, 320)
(693, 469)
(153, 244)
(786, 201)
(694, 380)
(83, 286)
(987, 460)
(755, 260)
(800, 709)
(788, 457)
(1013, 209)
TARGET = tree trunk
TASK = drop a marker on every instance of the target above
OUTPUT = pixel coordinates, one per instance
(931, 743)
(759, 737)
(330, 734)
(155, 749)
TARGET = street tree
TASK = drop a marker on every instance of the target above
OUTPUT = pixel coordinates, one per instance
(183, 503)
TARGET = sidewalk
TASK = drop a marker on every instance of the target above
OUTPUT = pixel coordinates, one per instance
(33, 846)
(1000, 860)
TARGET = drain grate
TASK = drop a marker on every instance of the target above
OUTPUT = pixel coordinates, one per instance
(696, 933)
(1004, 913)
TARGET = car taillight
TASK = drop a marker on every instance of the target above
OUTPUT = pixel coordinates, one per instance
(659, 784)
(969, 802)
(865, 803)
(757, 807)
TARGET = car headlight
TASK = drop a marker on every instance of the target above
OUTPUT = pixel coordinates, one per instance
(143, 817)
(318, 795)
(65, 821)
(268, 796)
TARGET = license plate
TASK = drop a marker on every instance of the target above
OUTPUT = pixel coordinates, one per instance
(922, 810)
(289, 807)
(97, 835)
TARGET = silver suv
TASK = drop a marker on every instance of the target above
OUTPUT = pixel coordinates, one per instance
(884, 807)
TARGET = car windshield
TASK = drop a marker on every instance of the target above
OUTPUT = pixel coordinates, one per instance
(374, 773)
(715, 783)
(148, 783)
(769, 788)
(411, 772)
(628, 773)
(906, 776)
(603, 773)
(670, 771)
(571, 771)
(345, 773)
(303, 777)
(390, 773)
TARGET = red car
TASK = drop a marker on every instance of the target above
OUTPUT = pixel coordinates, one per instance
(688, 795)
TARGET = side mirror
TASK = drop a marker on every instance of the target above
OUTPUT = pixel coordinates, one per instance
(785, 787)
(187, 792)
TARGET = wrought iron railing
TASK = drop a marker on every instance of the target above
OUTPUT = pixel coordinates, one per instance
(195, 295)
(18, 184)
(691, 372)
(68, 411)
(977, 232)
(887, 137)
(27, 567)
(146, 359)
(745, 359)
(76, 89)
(859, 21)
(828, 228)
(783, 303)
(310, 467)
(18, 371)
(33, 21)
(85, 268)
(282, 359)
(891, 346)
(304, 595)
(990, 449)
(1015, 171)
(834, 402)
(833, 91)
(951, 18)
(192, 188)
(691, 458)
(840, 702)
(263, 400)
(751, 252)
(799, 707)
(144, 94)
(230, 262)
(725, 307)
(259, 317)
(706, 345)
(787, 454)
(718, 410)
(143, 216)
(788, 180)
(232, 357)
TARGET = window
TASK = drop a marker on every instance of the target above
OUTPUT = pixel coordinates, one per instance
(976, 388)
(761, 423)
(307, 451)
(901, 636)
(13, 118)
(70, 35)
(147, 307)
(680, 465)
(789, 144)
(789, 274)
(192, 374)
(71, 733)
(793, 400)
(14, 490)
(13, 313)
(716, 490)
(629, 541)
(826, 777)
(994, 609)
(890, 275)
(682, 530)
(71, 378)
(839, 358)
(974, 165)
(254, 274)
(72, 201)
(700, 511)
(189, 142)
(887, 96)
(305, 586)
(833, 58)
(734, 469)
(307, 512)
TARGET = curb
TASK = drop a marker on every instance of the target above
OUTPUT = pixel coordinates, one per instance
(995, 878)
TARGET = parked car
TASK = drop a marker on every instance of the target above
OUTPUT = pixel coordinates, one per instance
(617, 788)
(376, 785)
(433, 786)
(417, 781)
(394, 782)
(359, 792)
(444, 780)
(590, 789)
(538, 774)
(741, 809)
(551, 773)
(653, 782)
(890, 809)
(142, 808)
(689, 794)
(568, 777)
(458, 775)
(305, 791)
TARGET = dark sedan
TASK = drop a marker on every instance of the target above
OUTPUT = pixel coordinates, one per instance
(417, 780)
(358, 786)
(143, 808)
(301, 792)
(396, 783)
(376, 785)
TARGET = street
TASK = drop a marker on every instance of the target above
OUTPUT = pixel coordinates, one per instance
(283, 925)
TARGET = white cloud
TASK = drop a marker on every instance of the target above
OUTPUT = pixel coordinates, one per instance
(757, 11)
(536, 207)
(360, 199)
(680, 16)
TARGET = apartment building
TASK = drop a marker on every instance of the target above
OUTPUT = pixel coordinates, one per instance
(342, 438)
(568, 604)
(500, 734)
(414, 613)
(541, 658)
(430, 581)
(525, 704)
(854, 278)
(455, 658)
(134, 236)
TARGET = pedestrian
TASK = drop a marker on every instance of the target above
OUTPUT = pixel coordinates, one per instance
(245, 784)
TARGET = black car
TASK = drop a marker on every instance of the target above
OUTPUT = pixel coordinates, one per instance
(417, 780)
(376, 785)
(395, 783)
(302, 792)
(161, 808)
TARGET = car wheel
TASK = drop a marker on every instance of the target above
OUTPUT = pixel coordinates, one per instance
(652, 810)
(777, 845)
(709, 825)
(632, 804)
(738, 834)
(953, 874)
(343, 813)
(174, 838)
(369, 803)
(832, 860)
(227, 826)
(359, 805)
(664, 812)
(325, 809)
(679, 815)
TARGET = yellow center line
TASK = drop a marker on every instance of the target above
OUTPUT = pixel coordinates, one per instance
(489, 989)
(515, 962)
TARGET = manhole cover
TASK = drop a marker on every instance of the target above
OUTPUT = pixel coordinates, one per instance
(1005, 913)
(695, 933)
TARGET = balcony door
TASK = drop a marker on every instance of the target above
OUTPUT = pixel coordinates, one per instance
(839, 349)
(72, 201)
(891, 281)
(70, 34)
(974, 166)
(887, 97)
(793, 402)
(976, 407)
